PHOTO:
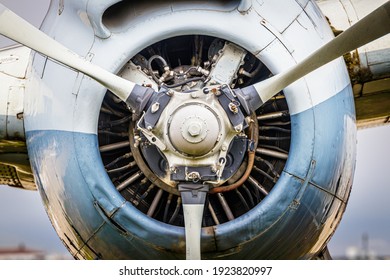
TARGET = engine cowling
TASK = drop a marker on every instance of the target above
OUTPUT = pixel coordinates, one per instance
(111, 191)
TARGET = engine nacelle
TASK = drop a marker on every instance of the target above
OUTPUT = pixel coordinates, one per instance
(280, 176)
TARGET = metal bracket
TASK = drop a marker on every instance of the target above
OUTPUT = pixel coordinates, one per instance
(156, 108)
(150, 135)
(232, 108)
(193, 193)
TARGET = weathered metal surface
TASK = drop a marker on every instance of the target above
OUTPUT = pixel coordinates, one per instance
(368, 66)
(14, 62)
(15, 171)
(374, 57)
(373, 104)
(9, 176)
(93, 218)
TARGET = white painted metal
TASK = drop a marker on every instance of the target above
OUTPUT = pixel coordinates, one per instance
(86, 98)
(95, 9)
(14, 61)
(269, 10)
(226, 67)
(133, 73)
(373, 28)
(194, 129)
(21, 31)
(302, 3)
(193, 215)
(113, 53)
(374, 56)
(129, 38)
(13, 66)
(244, 6)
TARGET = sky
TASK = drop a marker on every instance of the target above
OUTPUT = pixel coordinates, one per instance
(368, 210)
(24, 220)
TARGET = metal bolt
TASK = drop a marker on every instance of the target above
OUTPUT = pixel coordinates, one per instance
(233, 108)
(155, 107)
(193, 176)
(137, 140)
(194, 129)
(216, 91)
(238, 128)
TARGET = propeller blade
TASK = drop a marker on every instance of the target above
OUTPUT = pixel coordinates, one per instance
(194, 198)
(19, 30)
(371, 27)
(193, 215)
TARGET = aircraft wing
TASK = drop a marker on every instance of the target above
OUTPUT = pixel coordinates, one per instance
(15, 167)
(369, 66)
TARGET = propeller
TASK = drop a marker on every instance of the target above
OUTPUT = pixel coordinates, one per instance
(19, 30)
(194, 198)
(373, 26)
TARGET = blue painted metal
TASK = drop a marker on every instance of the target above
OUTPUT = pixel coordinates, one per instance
(85, 202)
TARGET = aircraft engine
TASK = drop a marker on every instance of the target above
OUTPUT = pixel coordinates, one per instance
(113, 179)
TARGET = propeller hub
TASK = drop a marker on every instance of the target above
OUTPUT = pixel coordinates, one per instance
(194, 129)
